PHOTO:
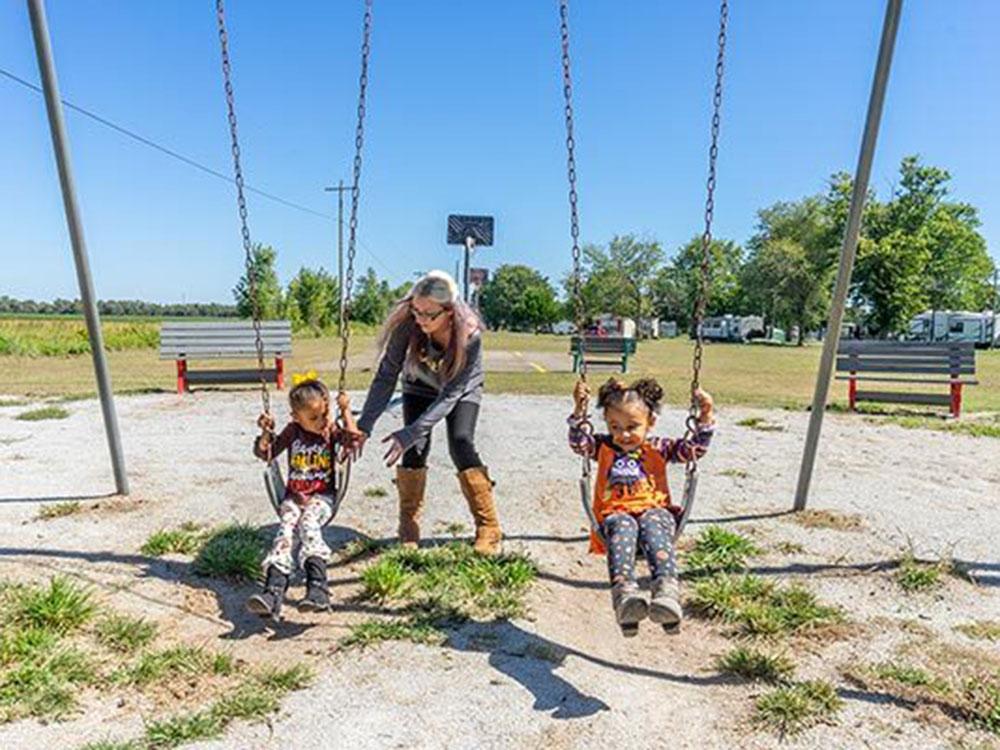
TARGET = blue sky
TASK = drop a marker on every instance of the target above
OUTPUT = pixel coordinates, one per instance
(465, 116)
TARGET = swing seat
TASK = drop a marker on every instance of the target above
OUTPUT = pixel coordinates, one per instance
(274, 483)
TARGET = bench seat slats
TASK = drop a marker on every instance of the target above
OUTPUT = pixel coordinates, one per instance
(944, 368)
(203, 377)
(898, 397)
(939, 381)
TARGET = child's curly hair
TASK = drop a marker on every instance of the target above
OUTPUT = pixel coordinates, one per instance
(306, 392)
(616, 392)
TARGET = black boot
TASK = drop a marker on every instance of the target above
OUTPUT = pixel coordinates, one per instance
(317, 590)
(268, 602)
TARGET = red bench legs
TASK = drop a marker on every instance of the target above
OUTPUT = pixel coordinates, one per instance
(852, 393)
(956, 400)
(181, 376)
(279, 372)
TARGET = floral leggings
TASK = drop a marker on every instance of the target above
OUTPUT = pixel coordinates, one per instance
(302, 518)
(651, 531)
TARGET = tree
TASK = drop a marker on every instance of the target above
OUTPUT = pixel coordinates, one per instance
(262, 269)
(313, 300)
(725, 260)
(371, 299)
(518, 298)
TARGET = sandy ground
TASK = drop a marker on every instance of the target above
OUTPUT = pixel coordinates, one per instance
(561, 678)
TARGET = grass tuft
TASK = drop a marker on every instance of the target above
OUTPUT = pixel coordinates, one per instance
(760, 424)
(61, 607)
(915, 576)
(234, 552)
(125, 634)
(827, 519)
(159, 666)
(60, 509)
(185, 540)
(375, 491)
(982, 702)
(760, 607)
(718, 550)
(752, 664)
(44, 412)
(983, 630)
(177, 730)
(791, 709)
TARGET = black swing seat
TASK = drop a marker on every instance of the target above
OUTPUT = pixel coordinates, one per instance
(274, 483)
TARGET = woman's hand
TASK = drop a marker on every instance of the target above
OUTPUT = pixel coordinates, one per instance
(395, 451)
(706, 406)
(581, 395)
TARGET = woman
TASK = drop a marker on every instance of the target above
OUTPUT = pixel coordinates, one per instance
(433, 337)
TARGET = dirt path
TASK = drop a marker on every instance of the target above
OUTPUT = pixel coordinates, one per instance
(564, 677)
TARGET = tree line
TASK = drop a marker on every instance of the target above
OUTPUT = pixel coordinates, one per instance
(120, 307)
(918, 250)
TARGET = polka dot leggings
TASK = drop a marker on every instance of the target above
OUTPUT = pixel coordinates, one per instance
(652, 532)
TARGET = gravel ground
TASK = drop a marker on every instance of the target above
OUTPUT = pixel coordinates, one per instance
(562, 677)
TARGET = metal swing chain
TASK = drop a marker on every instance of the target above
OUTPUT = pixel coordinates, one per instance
(359, 137)
(265, 396)
(701, 301)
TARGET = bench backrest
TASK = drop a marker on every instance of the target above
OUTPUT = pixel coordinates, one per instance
(221, 340)
(952, 358)
(604, 345)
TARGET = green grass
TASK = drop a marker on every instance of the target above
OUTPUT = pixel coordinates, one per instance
(734, 473)
(185, 540)
(58, 510)
(782, 377)
(760, 424)
(975, 427)
(177, 730)
(113, 745)
(719, 550)
(61, 607)
(759, 607)
(44, 683)
(984, 630)
(232, 552)
(910, 676)
(789, 548)
(178, 661)
(752, 664)
(43, 412)
(436, 586)
(915, 576)
(982, 702)
(125, 634)
(789, 710)
(375, 491)
(826, 519)
(61, 336)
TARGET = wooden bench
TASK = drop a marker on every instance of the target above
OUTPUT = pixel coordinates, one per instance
(183, 342)
(908, 362)
(611, 351)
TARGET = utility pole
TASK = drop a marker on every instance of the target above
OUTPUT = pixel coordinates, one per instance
(339, 190)
(60, 144)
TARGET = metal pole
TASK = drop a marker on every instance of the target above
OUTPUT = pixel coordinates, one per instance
(889, 28)
(60, 144)
(470, 243)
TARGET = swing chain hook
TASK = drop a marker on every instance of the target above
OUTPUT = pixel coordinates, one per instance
(251, 267)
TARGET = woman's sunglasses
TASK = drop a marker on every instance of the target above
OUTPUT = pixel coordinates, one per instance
(427, 315)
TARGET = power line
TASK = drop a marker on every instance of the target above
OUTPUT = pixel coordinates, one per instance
(164, 150)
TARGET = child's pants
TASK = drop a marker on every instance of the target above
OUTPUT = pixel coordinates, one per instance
(651, 531)
(305, 523)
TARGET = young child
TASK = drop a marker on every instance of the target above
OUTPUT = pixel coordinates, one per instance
(311, 439)
(631, 498)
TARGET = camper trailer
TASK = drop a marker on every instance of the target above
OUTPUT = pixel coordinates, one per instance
(949, 325)
(732, 327)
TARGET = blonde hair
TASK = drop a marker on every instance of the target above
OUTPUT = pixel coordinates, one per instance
(439, 287)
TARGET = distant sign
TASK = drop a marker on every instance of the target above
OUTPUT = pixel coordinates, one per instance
(479, 228)
(479, 276)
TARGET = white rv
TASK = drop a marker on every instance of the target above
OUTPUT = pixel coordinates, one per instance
(951, 325)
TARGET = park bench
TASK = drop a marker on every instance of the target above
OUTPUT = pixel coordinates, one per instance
(182, 341)
(912, 363)
(611, 351)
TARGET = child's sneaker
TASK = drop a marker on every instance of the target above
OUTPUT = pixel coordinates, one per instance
(630, 608)
(268, 602)
(317, 589)
(665, 603)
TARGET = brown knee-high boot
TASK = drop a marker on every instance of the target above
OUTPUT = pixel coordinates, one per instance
(478, 490)
(410, 483)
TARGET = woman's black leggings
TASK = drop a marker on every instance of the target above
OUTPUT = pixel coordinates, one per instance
(461, 425)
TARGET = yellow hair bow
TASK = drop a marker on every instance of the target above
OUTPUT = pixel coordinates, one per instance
(299, 378)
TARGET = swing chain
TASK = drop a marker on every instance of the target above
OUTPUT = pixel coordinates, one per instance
(574, 218)
(701, 301)
(359, 138)
(251, 269)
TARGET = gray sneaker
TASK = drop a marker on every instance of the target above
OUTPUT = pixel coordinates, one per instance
(630, 607)
(665, 604)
